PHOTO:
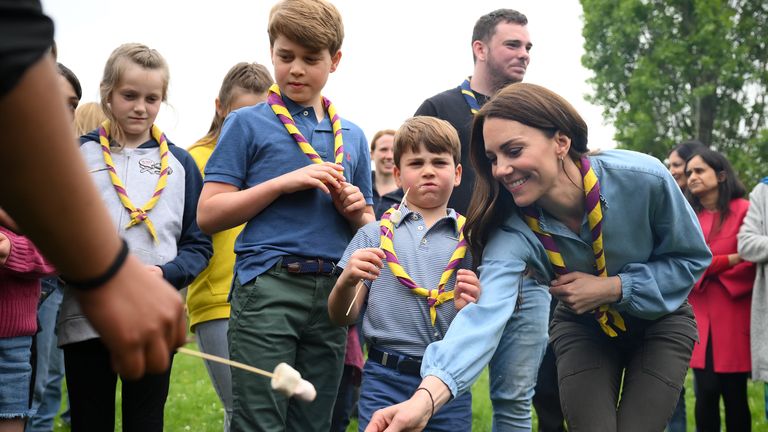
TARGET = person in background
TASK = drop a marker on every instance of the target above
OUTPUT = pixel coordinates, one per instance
(385, 190)
(88, 117)
(50, 360)
(245, 84)
(677, 158)
(753, 246)
(721, 299)
(151, 188)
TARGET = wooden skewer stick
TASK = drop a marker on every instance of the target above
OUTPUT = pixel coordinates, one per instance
(362, 281)
(222, 360)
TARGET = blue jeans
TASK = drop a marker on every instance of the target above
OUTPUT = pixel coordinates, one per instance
(515, 364)
(50, 361)
(16, 373)
(212, 339)
(678, 422)
(383, 387)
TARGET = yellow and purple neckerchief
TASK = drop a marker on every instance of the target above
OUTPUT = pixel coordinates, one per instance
(605, 315)
(275, 100)
(470, 97)
(138, 214)
(437, 296)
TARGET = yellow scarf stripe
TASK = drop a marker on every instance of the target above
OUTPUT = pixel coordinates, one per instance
(137, 214)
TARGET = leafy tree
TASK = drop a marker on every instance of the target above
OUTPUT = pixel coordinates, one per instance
(670, 70)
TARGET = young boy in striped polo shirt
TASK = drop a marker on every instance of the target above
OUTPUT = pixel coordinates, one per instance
(415, 265)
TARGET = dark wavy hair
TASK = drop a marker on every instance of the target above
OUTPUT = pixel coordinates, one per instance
(533, 106)
(728, 189)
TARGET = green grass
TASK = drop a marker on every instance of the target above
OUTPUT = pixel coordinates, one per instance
(193, 406)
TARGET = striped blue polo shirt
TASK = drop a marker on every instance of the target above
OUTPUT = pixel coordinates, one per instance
(396, 319)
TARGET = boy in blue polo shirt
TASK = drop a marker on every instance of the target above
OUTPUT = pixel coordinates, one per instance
(299, 177)
(412, 299)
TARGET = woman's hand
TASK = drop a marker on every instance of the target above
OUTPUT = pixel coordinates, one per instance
(582, 292)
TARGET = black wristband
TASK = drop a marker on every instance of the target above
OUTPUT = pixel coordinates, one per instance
(89, 284)
(430, 398)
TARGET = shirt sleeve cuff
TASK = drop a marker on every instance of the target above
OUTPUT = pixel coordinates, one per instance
(443, 376)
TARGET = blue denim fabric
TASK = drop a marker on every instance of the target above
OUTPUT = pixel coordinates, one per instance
(515, 364)
(212, 339)
(16, 373)
(50, 361)
(678, 421)
(383, 387)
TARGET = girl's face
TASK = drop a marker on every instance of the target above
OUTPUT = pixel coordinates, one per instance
(383, 155)
(702, 178)
(523, 159)
(677, 169)
(243, 98)
(135, 102)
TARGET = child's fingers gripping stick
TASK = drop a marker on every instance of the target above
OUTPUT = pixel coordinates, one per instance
(287, 381)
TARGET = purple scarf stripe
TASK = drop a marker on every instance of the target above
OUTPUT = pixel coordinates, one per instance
(407, 282)
(121, 190)
(389, 257)
(597, 230)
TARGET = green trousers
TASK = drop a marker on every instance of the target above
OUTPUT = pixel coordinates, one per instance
(283, 317)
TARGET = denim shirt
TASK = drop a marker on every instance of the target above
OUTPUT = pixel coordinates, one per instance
(652, 241)
(255, 147)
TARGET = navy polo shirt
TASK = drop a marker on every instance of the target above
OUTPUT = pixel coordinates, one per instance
(254, 147)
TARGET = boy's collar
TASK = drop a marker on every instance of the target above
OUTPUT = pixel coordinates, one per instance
(450, 214)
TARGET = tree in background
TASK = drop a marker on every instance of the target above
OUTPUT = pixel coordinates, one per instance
(670, 70)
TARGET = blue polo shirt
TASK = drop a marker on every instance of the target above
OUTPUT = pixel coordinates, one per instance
(397, 319)
(254, 147)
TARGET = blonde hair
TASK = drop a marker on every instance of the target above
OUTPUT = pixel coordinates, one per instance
(436, 135)
(88, 117)
(378, 135)
(250, 77)
(117, 63)
(313, 24)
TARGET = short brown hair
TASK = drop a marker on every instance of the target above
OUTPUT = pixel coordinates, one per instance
(436, 135)
(378, 135)
(313, 24)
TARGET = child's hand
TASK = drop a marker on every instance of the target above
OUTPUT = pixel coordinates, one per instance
(349, 201)
(365, 264)
(5, 248)
(467, 288)
(7, 221)
(325, 176)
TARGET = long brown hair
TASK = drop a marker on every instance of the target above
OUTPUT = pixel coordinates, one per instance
(533, 106)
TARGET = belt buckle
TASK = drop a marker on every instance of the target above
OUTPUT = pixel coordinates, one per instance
(294, 267)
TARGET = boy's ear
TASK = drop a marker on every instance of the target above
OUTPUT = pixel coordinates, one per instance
(396, 173)
(457, 180)
(335, 60)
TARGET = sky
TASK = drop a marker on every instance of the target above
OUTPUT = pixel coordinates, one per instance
(396, 53)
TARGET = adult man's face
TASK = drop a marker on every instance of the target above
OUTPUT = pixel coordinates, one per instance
(508, 54)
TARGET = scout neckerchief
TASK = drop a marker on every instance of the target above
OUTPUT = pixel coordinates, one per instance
(437, 296)
(275, 101)
(138, 214)
(605, 315)
(469, 96)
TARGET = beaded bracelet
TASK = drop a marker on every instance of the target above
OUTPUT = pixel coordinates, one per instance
(430, 398)
(89, 284)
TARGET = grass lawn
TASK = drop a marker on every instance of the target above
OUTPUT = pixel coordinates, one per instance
(193, 406)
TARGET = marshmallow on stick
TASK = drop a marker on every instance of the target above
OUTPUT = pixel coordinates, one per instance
(285, 379)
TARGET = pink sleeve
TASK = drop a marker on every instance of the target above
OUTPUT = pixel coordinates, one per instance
(24, 258)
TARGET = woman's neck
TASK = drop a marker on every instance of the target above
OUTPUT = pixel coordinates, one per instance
(565, 200)
(385, 183)
(709, 200)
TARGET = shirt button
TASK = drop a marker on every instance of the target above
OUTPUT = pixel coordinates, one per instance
(415, 217)
(437, 334)
(424, 241)
(421, 227)
(306, 113)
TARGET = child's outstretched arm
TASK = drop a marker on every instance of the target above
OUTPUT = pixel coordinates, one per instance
(467, 288)
(363, 264)
(223, 206)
